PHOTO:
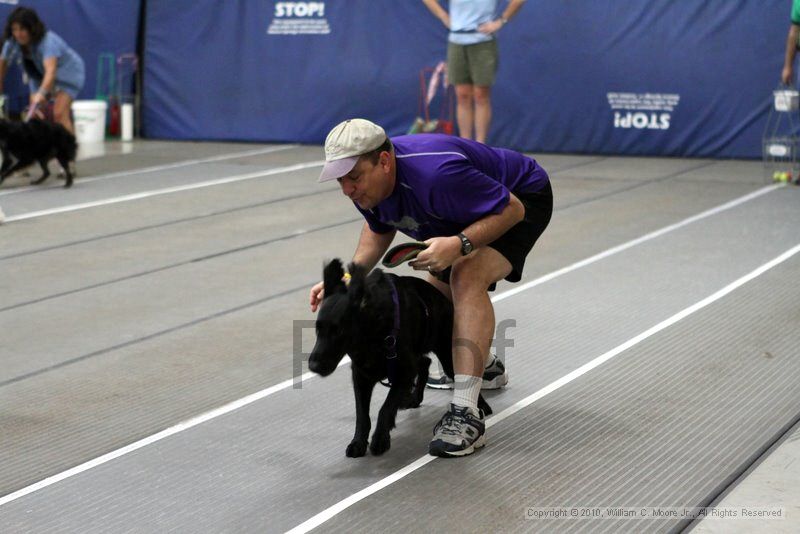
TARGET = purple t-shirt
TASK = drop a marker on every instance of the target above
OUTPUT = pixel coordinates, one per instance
(446, 183)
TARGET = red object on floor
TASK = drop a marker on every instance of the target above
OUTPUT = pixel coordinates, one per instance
(114, 118)
(435, 88)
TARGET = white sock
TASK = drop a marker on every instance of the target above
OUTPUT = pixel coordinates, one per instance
(489, 360)
(466, 390)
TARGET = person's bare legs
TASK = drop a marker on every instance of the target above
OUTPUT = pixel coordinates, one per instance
(465, 114)
(462, 429)
(444, 289)
(483, 112)
(61, 111)
(473, 324)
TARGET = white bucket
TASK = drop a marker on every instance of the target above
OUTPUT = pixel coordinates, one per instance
(90, 120)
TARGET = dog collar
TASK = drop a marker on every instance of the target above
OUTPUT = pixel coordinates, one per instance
(391, 340)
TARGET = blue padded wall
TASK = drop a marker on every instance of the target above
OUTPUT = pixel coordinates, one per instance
(656, 77)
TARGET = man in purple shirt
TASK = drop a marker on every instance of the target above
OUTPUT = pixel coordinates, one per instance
(479, 209)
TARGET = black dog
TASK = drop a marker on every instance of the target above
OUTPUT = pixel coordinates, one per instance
(36, 141)
(387, 324)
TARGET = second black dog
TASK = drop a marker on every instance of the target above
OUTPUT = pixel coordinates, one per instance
(386, 324)
(36, 141)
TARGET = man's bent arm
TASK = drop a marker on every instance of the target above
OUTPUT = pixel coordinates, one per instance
(371, 246)
(485, 230)
(443, 251)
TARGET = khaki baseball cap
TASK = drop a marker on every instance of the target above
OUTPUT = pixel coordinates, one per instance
(345, 143)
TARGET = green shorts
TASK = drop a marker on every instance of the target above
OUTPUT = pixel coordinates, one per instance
(472, 64)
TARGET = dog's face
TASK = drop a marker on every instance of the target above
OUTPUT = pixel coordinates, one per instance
(336, 319)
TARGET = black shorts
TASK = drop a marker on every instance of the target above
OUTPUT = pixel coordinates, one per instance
(518, 241)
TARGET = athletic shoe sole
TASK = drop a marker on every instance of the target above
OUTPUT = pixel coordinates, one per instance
(497, 382)
(439, 385)
(479, 443)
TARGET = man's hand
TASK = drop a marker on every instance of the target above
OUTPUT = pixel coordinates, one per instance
(786, 75)
(490, 27)
(316, 296)
(37, 99)
(441, 253)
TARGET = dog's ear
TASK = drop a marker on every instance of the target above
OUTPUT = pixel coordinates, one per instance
(332, 276)
(358, 273)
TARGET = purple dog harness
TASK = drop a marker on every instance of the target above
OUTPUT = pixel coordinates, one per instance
(390, 341)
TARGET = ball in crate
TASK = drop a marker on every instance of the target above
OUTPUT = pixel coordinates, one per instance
(781, 177)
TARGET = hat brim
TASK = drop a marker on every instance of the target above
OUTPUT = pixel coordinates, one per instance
(337, 168)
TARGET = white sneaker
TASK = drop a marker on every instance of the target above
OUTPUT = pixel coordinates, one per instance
(495, 375)
(436, 377)
(460, 432)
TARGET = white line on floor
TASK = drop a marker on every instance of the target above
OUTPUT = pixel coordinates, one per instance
(638, 241)
(330, 512)
(165, 191)
(288, 383)
(180, 427)
(167, 166)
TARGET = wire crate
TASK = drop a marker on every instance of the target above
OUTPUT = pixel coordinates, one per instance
(779, 144)
(780, 158)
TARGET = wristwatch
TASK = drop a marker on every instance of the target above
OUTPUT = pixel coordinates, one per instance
(466, 245)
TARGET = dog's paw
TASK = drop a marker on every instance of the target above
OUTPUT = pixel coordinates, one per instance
(379, 444)
(356, 449)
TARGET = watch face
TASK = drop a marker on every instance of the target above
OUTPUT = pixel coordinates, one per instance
(466, 245)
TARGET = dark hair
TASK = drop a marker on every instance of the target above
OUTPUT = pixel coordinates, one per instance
(28, 19)
(374, 155)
